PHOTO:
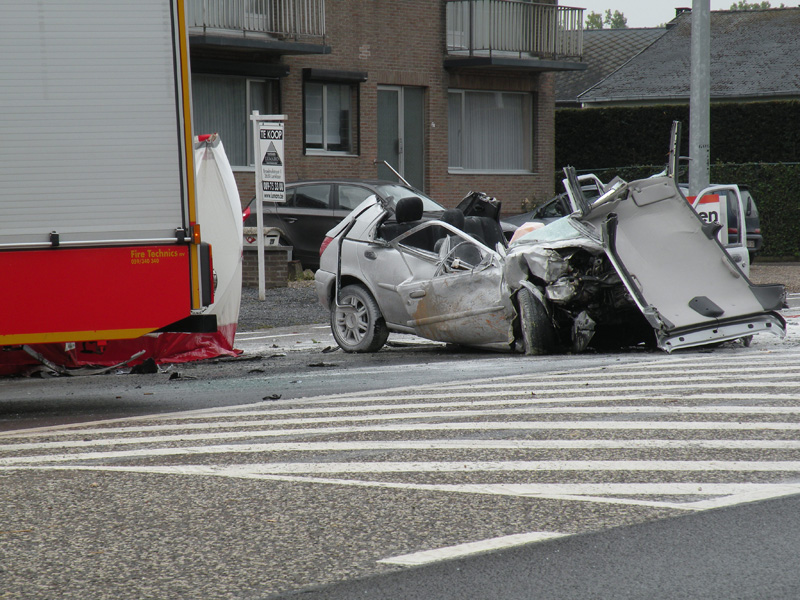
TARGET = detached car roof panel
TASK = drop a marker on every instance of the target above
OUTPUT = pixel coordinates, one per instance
(671, 263)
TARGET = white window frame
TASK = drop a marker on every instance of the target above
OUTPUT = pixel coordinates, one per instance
(527, 118)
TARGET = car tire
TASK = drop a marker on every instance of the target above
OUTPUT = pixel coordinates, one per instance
(357, 323)
(538, 334)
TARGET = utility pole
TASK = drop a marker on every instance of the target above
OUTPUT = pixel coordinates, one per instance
(700, 97)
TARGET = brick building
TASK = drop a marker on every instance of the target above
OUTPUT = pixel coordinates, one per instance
(457, 95)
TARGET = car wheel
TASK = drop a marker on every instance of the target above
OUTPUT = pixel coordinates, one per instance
(357, 322)
(538, 334)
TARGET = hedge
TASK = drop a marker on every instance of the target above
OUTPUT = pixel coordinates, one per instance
(754, 144)
(621, 136)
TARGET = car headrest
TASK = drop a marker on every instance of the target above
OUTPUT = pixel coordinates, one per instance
(454, 217)
(408, 209)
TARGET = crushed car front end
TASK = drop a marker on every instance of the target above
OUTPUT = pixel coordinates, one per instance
(637, 265)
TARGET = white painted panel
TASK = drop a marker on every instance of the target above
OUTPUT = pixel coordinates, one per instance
(88, 113)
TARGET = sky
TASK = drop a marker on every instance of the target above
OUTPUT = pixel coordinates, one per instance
(648, 13)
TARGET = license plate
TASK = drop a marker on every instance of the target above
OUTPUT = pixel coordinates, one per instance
(751, 244)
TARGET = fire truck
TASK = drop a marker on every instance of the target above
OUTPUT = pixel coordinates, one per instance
(99, 232)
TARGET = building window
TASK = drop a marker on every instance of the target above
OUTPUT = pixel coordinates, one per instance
(489, 131)
(223, 104)
(330, 123)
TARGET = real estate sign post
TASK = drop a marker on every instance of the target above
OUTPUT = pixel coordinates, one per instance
(268, 132)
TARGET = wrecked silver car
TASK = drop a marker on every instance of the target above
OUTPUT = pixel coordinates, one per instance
(634, 266)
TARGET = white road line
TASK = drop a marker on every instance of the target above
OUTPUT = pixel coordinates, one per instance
(657, 379)
(416, 427)
(371, 416)
(580, 386)
(727, 494)
(470, 548)
(251, 338)
(355, 404)
(539, 397)
(401, 393)
(478, 391)
(469, 467)
(744, 362)
(263, 331)
(534, 408)
(665, 387)
(727, 366)
(393, 412)
(409, 445)
(527, 466)
(610, 385)
(735, 374)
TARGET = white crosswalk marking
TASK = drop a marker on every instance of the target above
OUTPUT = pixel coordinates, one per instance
(687, 432)
(507, 541)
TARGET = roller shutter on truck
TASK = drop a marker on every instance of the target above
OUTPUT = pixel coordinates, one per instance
(94, 193)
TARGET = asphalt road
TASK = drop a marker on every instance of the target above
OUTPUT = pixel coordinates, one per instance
(640, 475)
(278, 364)
(742, 552)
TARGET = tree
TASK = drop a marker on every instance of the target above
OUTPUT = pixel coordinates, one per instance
(594, 21)
(616, 20)
(744, 5)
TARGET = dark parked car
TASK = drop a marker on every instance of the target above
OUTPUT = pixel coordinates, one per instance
(549, 211)
(315, 207)
(559, 206)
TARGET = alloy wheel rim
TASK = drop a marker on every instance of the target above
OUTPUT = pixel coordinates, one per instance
(352, 321)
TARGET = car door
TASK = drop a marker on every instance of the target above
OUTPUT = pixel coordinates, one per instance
(724, 204)
(753, 224)
(464, 300)
(386, 264)
(306, 219)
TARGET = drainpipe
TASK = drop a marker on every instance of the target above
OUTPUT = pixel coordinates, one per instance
(471, 26)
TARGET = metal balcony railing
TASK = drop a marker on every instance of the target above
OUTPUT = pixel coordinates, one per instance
(281, 19)
(480, 27)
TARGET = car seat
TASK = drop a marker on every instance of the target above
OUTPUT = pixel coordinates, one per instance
(408, 209)
(485, 230)
(451, 216)
(408, 214)
(456, 246)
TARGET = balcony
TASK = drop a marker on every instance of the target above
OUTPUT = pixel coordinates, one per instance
(292, 21)
(509, 32)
